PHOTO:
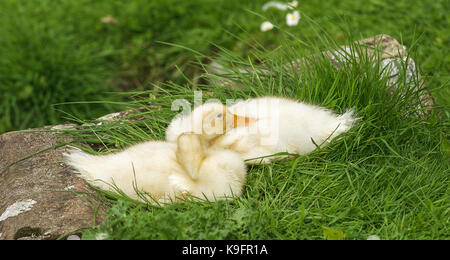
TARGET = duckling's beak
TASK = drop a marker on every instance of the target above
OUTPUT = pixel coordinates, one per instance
(242, 121)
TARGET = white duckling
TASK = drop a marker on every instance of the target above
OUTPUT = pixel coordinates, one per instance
(282, 125)
(210, 120)
(166, 171)
(269, 125)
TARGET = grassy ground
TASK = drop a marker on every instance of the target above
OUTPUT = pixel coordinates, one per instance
(60, 51)
(388, 176)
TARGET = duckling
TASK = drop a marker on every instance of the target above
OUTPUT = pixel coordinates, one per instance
(211, 120)
(282, 125)
(258, 128)
(165, 171)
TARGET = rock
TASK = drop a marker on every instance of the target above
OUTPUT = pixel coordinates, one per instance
(393, 56)
(40, 196)
(38, 191)
(128, 115)
(63, 127)
(73, 237)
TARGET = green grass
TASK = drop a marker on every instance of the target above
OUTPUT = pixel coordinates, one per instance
(59, 51)
(388, 176)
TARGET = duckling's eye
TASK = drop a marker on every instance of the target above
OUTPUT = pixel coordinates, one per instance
(219, 115)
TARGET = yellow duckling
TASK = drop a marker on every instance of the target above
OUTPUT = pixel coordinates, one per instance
(268, 125)
(210, 120)
(168, 171)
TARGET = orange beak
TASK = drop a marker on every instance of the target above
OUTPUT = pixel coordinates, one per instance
(242, 121)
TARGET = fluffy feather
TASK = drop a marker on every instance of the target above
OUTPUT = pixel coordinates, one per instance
(159, 169)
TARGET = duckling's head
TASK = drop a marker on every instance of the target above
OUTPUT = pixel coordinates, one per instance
(216, 120)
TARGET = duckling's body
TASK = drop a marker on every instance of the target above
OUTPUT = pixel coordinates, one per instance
(282, 125)
(165, 171)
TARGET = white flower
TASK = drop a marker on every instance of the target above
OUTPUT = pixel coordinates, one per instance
(294, 4)
(277, 5)
(109, 19)
(292, 18)
(266, 26)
